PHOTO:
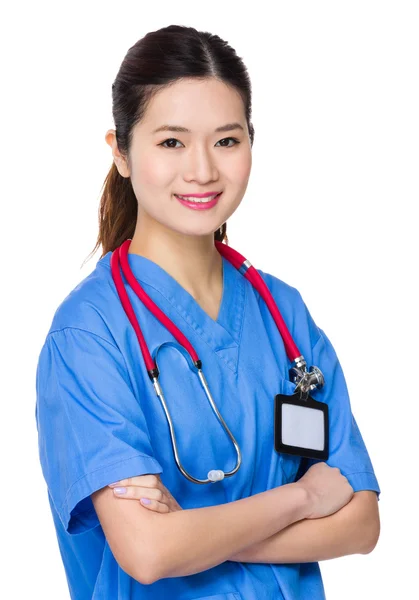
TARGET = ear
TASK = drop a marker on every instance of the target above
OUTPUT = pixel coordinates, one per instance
(119, 159)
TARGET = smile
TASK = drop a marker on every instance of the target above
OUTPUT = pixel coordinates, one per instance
(198, 203)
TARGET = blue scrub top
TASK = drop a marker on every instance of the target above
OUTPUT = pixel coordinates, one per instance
(99, 421)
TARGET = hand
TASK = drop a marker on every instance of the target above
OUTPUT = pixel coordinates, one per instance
(328, 490)
(148, 487)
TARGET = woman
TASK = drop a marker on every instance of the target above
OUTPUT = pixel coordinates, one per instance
(182, 109)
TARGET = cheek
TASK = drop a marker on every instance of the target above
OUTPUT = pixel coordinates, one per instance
(152, 172)
(240, 169)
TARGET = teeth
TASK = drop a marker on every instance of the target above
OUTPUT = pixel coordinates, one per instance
(199, 200)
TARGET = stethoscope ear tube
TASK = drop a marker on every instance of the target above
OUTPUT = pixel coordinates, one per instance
(123, 296)
(249, 271)
(148, 302)
(305, 381)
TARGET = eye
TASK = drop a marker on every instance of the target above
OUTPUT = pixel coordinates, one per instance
(168, 140)
(175, 140)
(229, 138)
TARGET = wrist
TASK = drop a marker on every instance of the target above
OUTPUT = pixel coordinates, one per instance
(302, 500)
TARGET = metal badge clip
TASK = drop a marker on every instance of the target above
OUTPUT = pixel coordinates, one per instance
(306, 380)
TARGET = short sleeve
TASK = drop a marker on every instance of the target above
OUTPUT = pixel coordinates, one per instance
(347, 449)
(91, 427)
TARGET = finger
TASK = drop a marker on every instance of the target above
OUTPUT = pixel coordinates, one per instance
(155, 506)
(141, 480)
(135, 492)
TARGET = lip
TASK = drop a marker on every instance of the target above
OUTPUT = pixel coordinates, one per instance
(206, 195)
(199, 205)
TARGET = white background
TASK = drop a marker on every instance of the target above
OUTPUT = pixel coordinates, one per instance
(331, 208)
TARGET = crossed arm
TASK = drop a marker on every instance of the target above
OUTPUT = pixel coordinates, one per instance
(354, 529)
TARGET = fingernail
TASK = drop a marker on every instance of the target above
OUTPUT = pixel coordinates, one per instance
(145, 500)
(120, 490)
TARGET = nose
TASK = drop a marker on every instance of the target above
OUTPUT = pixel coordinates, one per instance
(200, 166)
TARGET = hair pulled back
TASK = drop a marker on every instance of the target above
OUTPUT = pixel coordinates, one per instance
(157, 60)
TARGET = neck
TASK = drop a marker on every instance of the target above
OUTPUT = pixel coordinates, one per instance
(193, 261)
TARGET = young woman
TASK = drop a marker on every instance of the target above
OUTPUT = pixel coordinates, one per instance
(181, 164)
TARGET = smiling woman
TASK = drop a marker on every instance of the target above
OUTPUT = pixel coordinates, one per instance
(98, 419)
(196, 165)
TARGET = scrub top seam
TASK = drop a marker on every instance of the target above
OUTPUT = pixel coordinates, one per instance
(317, 341)
(65, 408)
(245, 288)
(85, 331)
(167, 295)
(101, 468)
(168, 298)
(104, 340)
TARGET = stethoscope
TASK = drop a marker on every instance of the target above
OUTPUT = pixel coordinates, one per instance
(305, 380)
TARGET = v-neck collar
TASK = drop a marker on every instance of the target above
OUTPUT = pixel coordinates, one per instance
(223, 334)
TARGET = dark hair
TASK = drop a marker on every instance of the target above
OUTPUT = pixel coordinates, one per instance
(159, 59)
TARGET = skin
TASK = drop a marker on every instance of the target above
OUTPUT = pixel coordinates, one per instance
(177, 238)
(150, 487)
(353, 529)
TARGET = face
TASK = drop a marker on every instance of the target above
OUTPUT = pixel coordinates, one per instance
(164, 163)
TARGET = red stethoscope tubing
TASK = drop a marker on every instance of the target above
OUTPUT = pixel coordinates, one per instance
(238, 260)
(119, 259)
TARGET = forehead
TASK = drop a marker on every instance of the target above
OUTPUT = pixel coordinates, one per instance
(198, 105)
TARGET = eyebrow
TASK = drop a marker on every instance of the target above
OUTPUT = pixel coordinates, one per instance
(179, 129)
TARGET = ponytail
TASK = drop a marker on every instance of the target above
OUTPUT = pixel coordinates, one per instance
(117, 211)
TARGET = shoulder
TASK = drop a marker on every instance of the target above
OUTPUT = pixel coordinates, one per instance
(81, 335)
(87, 306)
(290, 296)
(293, 310)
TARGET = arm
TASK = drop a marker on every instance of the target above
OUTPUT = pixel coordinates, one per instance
(194, 540)
(150, 546)
(353, 529)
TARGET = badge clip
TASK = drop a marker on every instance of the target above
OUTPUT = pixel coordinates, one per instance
(301, 424)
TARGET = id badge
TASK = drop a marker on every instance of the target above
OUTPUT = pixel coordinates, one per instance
(301, 427)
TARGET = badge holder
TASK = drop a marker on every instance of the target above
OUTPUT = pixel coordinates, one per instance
(301, 426)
